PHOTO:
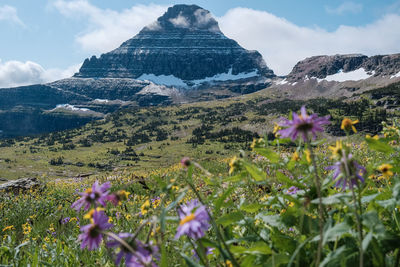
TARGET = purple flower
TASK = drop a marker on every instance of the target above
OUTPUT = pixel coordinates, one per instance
(292, 190)
(92, 233)
(96, 194)
(303, 124)
(355, 171)
(124, 252)
(208, 251)
(65, 220)
(193, 220)
(144, 256)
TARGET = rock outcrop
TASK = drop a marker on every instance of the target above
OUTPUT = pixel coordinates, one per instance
(185, 43)
(20, 185)
(322, 66)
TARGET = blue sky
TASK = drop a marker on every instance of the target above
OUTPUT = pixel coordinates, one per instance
(44, 40)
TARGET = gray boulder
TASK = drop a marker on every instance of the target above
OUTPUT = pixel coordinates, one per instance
(20, 185)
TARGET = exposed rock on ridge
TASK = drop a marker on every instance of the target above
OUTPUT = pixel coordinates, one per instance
(185, 42)
(322, 66)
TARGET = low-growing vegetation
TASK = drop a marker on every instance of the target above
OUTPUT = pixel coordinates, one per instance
(290, 200)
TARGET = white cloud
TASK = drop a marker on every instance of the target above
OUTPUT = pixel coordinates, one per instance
(283, 43)
(9, 13)
(346, 7)
(16, 73)
(107, 29)
(180, 21)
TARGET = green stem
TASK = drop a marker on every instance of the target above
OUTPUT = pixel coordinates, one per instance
(200, 255)
(320, 207)
(214, 224)
(355, 200)
(397, 261)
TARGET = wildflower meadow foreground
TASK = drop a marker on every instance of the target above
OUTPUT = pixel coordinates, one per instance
(297, 200)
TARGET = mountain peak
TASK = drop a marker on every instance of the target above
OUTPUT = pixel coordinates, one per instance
(185, 45)
(189, 17)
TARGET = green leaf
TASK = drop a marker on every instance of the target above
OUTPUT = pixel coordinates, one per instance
(284, 179)
(272, 220)
(259, 248)
(367, 239)
(236, 178)
(334, 199)
(230, 218)
(268, 153)
(389, 203)
(218, 203)
(336, 231)
(333, 257)
(379, 145)
(367, 199)
(255, 172)
(277, 260)
(251, 208)
(189, 261)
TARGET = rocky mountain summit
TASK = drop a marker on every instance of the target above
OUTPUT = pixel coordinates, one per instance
(322, 66)
(339, 76)
(184, 46)
(182, 57)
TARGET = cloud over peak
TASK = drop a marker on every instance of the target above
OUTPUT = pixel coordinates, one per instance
(283, 43)
(16, 73)
(346, 7)
(9, 13)
(107, 29)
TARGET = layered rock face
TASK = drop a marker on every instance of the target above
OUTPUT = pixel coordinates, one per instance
(185, 42)
(322, 66)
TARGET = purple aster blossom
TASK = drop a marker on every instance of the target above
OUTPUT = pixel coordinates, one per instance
(208, 251)
(92, 236)
(144, 256)
(97, 194)
(124, 252)
(356, 171)
(303, 124)
(65, 220)
(292, 190)
(193, 220)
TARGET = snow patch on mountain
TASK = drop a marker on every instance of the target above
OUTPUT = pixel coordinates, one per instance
(171, 80)
(70, 107)
(397, 75)
(227, 77)
(355, 75)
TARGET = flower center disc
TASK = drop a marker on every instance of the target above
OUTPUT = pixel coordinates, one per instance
(187, 219)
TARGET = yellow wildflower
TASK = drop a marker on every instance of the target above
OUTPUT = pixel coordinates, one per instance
(11, 227)
(228, 263)
(26, 228)
(385, 170)
(376, 137)
(232, 164)
(348, 124)
(145, 207)
(295, 156)
(337, 150)
(253, 144)
(89, 215)
(308, 156)
(276, 129)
